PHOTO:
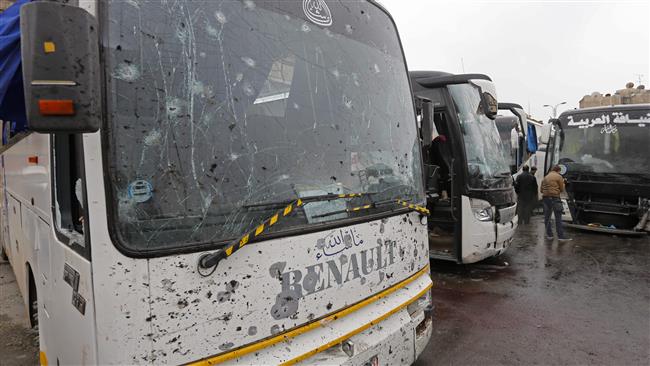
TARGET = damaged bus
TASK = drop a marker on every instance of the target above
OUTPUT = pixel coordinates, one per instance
(204, 182)
(604, 155)
(469, 186)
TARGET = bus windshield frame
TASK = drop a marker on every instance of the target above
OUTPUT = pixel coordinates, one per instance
(217, 107)
(605, 142)
(487, 167)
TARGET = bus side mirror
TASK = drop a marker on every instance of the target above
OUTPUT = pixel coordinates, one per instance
(60, 55)
(490, 105)
(426, 108)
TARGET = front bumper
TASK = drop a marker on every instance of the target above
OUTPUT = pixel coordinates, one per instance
(383, 330)
(397, 340)
(487, 239)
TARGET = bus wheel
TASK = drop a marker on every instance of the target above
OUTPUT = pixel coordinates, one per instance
(3, 253)
(33, 301)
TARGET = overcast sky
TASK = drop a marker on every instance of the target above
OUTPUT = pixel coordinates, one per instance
(541, 52)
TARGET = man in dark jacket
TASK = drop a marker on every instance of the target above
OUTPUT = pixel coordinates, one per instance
(526, 188)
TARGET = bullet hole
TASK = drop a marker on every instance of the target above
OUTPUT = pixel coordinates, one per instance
(329, 306)
(182, 303)
(333, 178)
(213, 167)
(231, 126)
(223, 296)
(232, 286)
(226, 346)
(225, 317)
(238, 329)
(209, 294)
(252, 330)
(118, 48)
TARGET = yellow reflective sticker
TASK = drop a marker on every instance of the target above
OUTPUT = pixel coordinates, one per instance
(229, 251)
(49, 47)
(287, 210)
(274, 219)
(259, 230)
(244, 240)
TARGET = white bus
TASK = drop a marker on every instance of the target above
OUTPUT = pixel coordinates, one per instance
(525, 140)
(470, 189)
(210, 182)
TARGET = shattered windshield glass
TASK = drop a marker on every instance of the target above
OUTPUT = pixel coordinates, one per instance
(613, 142)
(219, 107)
(486, 164)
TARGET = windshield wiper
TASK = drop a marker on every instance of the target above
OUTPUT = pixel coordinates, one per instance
(308, 199)
(407, 204)
(210, 260)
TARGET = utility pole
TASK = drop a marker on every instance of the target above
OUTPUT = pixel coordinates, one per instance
(554, 108)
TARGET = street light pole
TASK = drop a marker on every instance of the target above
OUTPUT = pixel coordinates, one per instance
(554, 108)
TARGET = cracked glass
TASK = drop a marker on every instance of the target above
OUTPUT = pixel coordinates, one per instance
(486, 164)
(215, 107)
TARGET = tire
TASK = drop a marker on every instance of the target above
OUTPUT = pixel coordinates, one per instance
(3, 253)
(33, 301)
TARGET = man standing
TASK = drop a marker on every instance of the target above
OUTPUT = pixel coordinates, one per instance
(526, 188)
(552, 186)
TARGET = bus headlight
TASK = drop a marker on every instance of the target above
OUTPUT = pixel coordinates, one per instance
(482, 210)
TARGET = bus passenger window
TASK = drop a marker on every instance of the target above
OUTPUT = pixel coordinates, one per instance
(69, 186)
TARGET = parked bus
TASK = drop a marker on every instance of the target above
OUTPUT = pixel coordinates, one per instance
(605, 158)
(471, 195)
(525, 139)
(217, 181)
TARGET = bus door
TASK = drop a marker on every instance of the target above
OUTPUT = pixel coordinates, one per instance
(65, 295)
(443, 223)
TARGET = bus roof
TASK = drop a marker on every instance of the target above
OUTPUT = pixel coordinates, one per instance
(606, 109)
(436, 79)
(509, 106)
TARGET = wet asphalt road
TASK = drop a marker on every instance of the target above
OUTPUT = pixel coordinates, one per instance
(576, 303)
(584, 302)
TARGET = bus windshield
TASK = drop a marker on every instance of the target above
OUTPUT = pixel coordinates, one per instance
(610, 142)
(487, 166)
(218, 107)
